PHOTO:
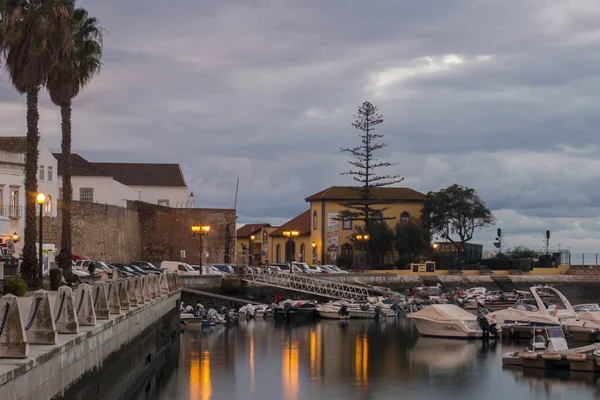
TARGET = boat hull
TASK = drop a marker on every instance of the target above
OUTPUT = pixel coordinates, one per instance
(360, 314)
(446, 329)
(331, 315)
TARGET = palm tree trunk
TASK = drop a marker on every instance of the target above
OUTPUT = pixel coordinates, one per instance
(29, 268)
(65, 255)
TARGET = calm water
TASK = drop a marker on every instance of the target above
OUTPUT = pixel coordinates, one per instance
(347, 360)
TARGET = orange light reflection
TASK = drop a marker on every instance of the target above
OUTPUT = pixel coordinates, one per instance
(289, 371)
(205, 389)
(252, 363)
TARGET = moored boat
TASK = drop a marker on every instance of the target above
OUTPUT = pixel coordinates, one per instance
(448, 320)
(328, 311)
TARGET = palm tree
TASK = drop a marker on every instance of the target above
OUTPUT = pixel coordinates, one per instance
(67, 77)
(33, 34)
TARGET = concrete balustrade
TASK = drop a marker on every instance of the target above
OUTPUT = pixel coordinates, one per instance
(152, 286)
(116, 274)
(170, 282)
(86, 315)
(131, 292)
(123, 295)
(13, 342)
(114, 306)
(139, 295)
(100, 300)
(177, 281)
(163, 285)
(146, 288)
(40, 327)
(64, 309)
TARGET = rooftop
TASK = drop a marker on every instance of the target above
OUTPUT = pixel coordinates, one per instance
(138, 174)
(378, 193)
(79, 166)
(301, 224)
(13, 144)
(250, 229)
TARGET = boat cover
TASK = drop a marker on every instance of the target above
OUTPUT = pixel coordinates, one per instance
(444, 312)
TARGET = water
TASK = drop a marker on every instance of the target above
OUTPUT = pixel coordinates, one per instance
(348, 360)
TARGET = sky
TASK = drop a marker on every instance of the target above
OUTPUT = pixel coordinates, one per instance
(501, 96)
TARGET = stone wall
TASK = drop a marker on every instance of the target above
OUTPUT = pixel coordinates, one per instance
(101, 232)
(165, 232)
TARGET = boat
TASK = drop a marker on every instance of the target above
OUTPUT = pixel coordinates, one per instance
(330, 311)
(450, 321)
(291, 310)
(546, 339)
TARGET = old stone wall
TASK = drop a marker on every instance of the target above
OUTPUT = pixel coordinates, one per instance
(100, 232)
(165, 232)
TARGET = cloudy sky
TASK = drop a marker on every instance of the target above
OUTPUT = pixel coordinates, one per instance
(501, 96)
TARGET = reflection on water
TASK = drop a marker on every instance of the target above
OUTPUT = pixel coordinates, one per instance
(349, 360)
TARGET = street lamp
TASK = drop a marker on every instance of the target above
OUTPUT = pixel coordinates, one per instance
(41, 198)
(15, 237)
(200, 231)
(291, 237)
(251, 249)
(436, 245)
(362, 240)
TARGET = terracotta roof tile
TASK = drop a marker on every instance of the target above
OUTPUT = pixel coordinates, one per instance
(79, 166)
(13, 144)
(301, 224)
(140, 174)
(353, 193)
(249, 229)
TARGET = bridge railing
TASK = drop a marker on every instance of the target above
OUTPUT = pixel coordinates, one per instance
(309, 284)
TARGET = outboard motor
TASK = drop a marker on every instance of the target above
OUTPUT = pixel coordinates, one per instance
(378, 312)
(344, 310)
(287, 306)
(484, 324)
(364, 307)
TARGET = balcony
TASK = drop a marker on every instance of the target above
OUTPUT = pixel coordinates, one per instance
(13, 212)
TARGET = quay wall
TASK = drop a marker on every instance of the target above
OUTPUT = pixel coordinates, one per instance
(108, 361)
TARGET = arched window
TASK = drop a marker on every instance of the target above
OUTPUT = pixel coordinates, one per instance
(404, 217)
(377, 216)
(346, 221)
(278, 253)
(347, 250)
(302, 258)
(48, 206)
(315, 220)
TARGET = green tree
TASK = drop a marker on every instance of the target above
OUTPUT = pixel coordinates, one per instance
(455, 211)
(380, 245)
(71, 73)
(412, 239)
(33, 35)
(365, 169)
(521, 253)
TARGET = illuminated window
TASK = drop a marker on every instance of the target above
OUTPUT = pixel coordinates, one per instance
(404, 217)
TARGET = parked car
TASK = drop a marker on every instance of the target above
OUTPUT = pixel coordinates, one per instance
(179, 267)
(273, 268)
(83, 265)
(141, 271)
(124, 270)
(228, 269)
(335, 269)
(147, 266)
(286, 268)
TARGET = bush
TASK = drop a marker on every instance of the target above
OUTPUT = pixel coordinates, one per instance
(16, 286)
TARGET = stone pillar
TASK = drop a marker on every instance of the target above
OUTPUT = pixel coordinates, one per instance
(116, 275)
(131, 292)
(170, 282)
(64, 311)
(177, 281)
(100, 300)
(139, 294)
(13, 342)
(86, 316)
(152, 286)
(164, 285)
(145, 280)
(123, 295)
(114, 306)
(40, 327)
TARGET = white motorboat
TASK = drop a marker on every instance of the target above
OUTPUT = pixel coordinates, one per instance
(448, 320)
(357, 313)
(329, 311)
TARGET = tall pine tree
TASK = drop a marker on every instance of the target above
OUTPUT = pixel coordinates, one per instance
(366, 169)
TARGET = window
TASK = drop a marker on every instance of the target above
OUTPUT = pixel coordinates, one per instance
(41, 173)
(377, 216)
(13, 210)
(314, 220)
(346, 222)
(48, 205)
(86, 195)
(404, 217)
(278, 253)
(347, 251)
(50, 174)
(302, 252)
(164, 203)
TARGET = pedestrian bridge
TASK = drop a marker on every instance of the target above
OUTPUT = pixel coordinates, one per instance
(307, 283)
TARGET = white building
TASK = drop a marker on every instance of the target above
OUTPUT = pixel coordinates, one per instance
(115, 183)
(12, 180)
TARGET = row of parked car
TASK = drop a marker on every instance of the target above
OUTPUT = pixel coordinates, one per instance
(297, 267)
(132, 269)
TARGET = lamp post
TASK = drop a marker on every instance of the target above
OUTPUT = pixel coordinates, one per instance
(314, 252)
(362, 240)
(200, 231)
(41, 198)
(291, 237)
(251, 249)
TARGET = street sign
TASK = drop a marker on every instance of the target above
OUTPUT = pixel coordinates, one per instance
(298, 255)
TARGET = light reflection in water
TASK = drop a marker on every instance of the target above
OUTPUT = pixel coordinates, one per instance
(205, 389)
(289, 370)
(195, 376)
(361, 359)
(251, 362)
(313, 353)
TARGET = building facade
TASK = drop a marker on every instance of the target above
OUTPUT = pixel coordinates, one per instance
(252, 243)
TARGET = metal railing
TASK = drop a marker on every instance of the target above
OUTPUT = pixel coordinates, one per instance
(10, 211)
(307, 284)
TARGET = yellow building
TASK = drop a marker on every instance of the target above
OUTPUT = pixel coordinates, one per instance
(256, 238)
(332, 235)
(298, 248)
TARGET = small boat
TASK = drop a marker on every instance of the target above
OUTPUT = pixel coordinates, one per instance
(328, 311)
(365, 311)
(545, 339)
(448, 320)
